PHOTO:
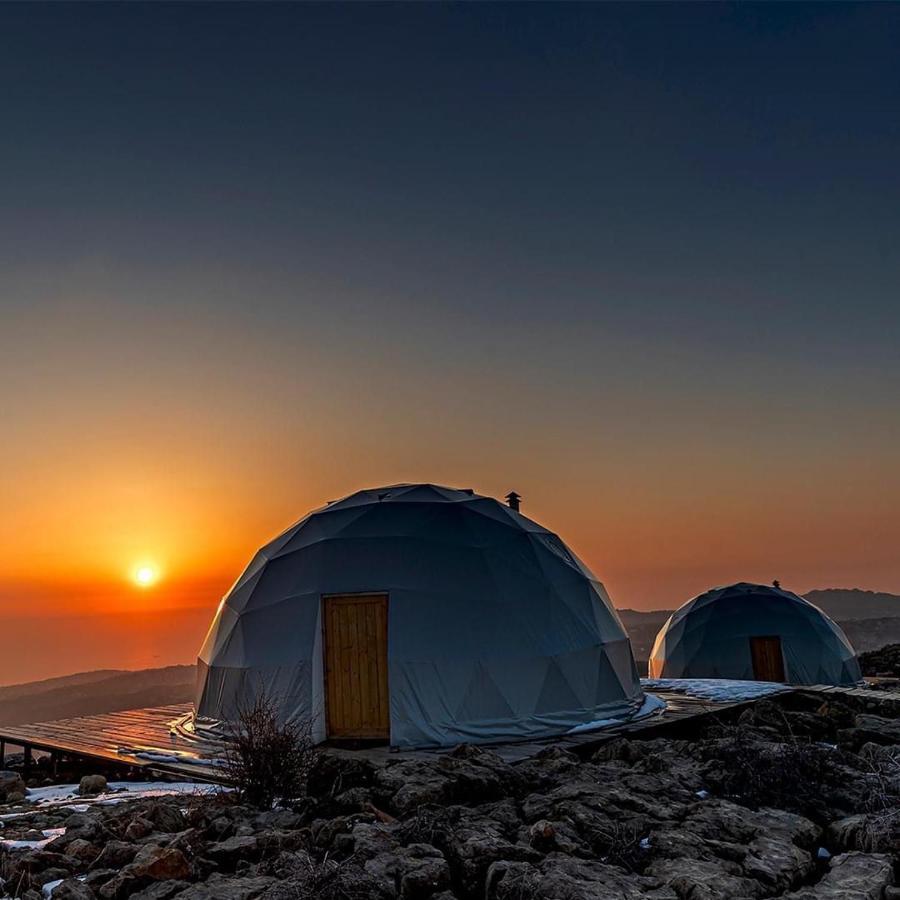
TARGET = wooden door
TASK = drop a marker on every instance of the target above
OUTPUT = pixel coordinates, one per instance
(356, 674)
(768, 660)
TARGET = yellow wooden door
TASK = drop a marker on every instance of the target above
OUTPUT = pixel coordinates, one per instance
(768, 660)
(356, 674)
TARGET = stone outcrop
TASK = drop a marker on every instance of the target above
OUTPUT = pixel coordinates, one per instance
(799, 800)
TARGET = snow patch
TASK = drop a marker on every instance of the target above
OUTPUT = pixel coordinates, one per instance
(650, 705)
(50, 834)
(720, 690)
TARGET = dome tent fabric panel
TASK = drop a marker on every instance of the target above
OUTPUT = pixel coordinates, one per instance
(710, 637)
(495, 629)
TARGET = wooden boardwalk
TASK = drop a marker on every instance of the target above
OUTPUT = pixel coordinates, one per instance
(161, 739)
(156, 738)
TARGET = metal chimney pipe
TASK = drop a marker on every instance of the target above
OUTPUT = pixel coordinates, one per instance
(512, 500)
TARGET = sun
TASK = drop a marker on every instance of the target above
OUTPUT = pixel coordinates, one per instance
(145, 576)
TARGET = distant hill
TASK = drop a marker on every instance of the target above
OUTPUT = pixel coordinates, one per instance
(90, 693)
(852, 603)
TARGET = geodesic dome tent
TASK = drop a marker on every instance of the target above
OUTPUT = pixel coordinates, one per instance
(753, 632)
(423, 615)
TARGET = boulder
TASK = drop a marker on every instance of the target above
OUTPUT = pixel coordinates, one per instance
(91, 785)
(138, 828)
(420, 870)
(160, 890)
(160, 864)
(860, 832)
(705, 879)
(165, 817)
(114, 855)
(222, 887)
(73, 889)
(123, 884)
(777, 864)
(851, 876)
(560, 877)
(227, 853)
(11, 783)
(84, 852)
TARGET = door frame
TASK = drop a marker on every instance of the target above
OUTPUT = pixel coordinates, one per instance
(768, 637)
(387, 606)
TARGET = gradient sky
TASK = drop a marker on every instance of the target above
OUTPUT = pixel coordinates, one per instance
(639, 263)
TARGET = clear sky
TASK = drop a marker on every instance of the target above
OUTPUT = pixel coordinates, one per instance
(639, 263)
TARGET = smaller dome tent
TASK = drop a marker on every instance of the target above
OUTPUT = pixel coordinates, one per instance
(423, 615)
(753, 632)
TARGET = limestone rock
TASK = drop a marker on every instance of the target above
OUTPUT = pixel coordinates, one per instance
(851, 876)
(11, 783)
(560, 877)
(160, 864)
(73, 889)
(222, 887)
(91, 785)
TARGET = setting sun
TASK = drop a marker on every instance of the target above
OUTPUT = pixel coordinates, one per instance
(144, 576)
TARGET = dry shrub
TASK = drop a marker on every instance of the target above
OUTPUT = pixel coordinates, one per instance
(791, 774)
(267, 759)
(623, 844)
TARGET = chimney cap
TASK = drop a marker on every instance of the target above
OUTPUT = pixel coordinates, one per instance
(512, 500)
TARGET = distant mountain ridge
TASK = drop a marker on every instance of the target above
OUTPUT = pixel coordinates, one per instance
(853, 603)
(91, 693)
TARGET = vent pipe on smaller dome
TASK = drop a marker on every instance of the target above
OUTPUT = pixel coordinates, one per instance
(513, 499)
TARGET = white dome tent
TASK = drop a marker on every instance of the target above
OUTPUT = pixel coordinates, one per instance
(422, 615)
(753, 632)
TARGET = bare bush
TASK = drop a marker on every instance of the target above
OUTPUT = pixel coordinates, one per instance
(791, 774)
(267, 759)
(882, 827)
(621, 844)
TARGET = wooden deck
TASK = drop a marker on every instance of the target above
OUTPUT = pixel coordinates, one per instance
(161, 739)
(156, 738)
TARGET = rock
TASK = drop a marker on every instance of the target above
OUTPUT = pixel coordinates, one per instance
(84, 852)
(29, 867)
(121, 885)
(165, 817)
(777, 864)
(160, 890)
(73, 889)
(477, 840)
(96, 878)
(160, 864)
(705, 879)
(279, 818)
(138, 828)
(859, 832)
(49, 875)
(851, 876)
(15, 796)
(114, 855)
(563, 878)
(11, 783)
(542, 835)
(91, 785)
(221, 887)
(227, 853)
(420, 870)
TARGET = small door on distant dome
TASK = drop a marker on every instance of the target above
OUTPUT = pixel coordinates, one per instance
(356, 666)
(768, 660)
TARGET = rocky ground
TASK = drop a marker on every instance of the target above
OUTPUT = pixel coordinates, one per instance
(795, 799)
